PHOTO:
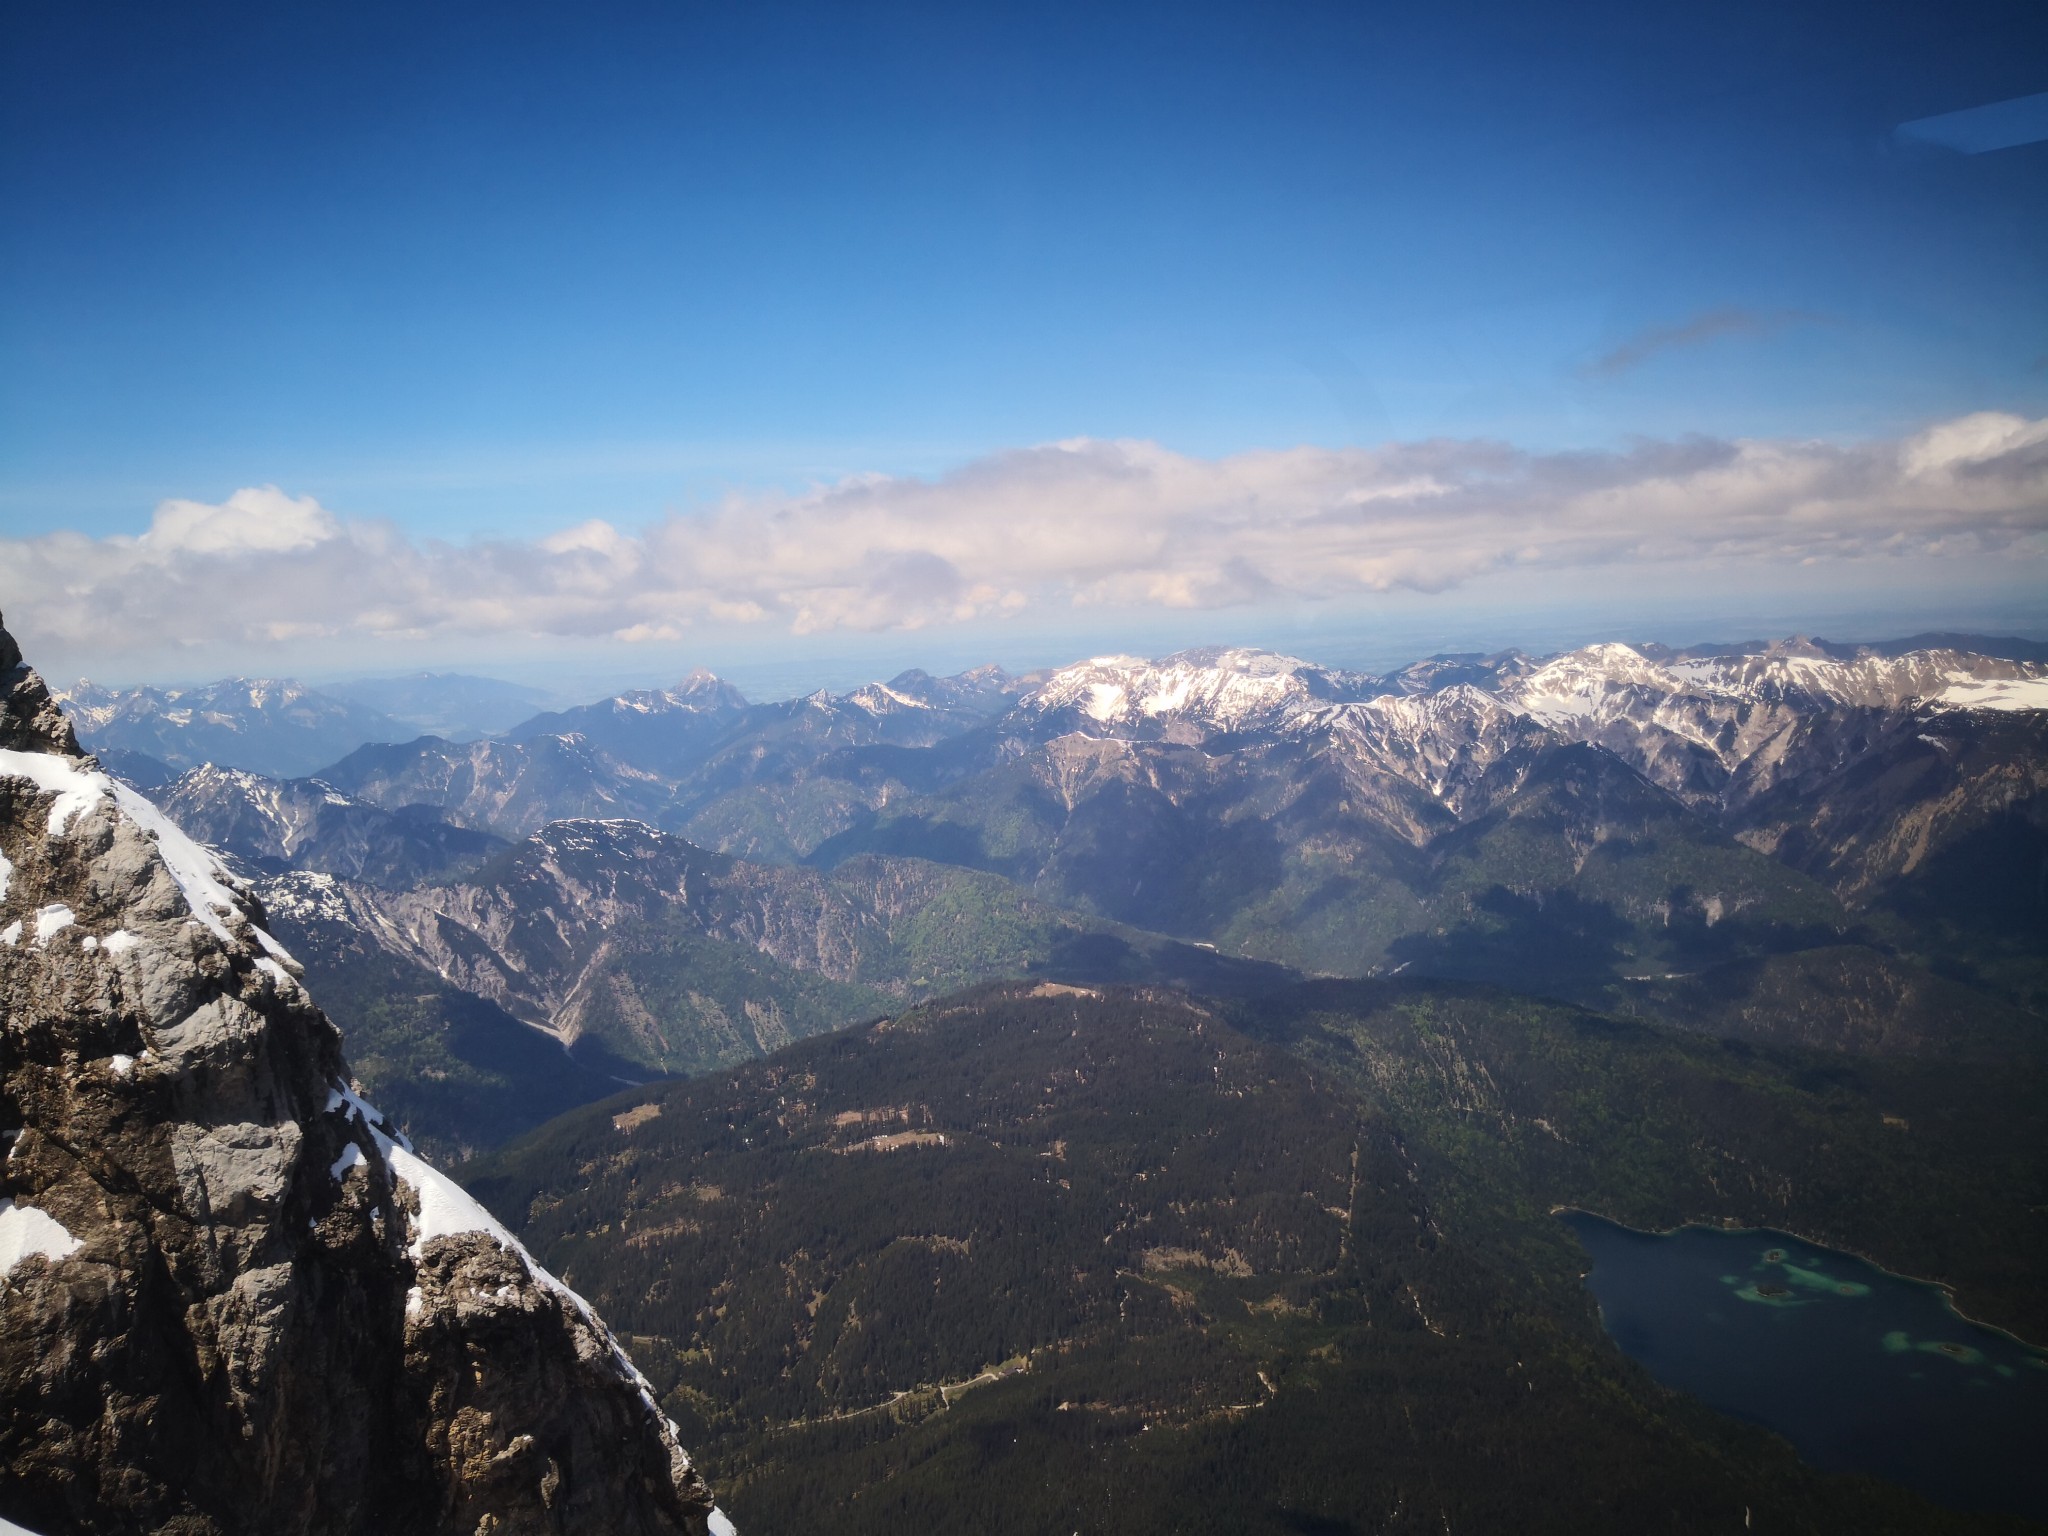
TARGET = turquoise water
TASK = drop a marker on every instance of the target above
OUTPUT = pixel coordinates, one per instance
(1863, 1371)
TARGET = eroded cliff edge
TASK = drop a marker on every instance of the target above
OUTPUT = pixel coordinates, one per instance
(231, 1298)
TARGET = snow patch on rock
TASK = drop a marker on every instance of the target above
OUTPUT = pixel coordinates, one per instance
(51, 920)
(25, 1230)
(77, 789)
(2009, 693)
(277, 973)
(449, 1210)
(352, 1104)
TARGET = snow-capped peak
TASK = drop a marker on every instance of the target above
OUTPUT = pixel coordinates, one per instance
(701, 692)
(881, 699)
(2003, 694)
(1221, 689)
(1590, 683)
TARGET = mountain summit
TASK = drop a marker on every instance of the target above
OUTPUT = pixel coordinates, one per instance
(232, 1298)
(1214, 688)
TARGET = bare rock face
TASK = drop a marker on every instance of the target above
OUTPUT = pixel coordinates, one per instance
(231, 1298)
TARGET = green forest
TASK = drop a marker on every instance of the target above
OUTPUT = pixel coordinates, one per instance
(1041, 1257)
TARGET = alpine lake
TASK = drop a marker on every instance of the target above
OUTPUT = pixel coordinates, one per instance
(1860, 1369)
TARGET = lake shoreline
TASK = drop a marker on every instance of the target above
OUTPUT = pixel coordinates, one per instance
(1829, 1350)
(1947, 1290)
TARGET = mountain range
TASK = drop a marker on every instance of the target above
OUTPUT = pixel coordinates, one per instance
(279, 726)
(1790, 839)
(267, 725)
(1134, 1092)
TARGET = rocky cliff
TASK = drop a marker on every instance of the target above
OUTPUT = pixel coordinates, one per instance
(232, 1299)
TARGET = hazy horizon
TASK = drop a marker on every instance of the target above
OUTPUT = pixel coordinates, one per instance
(520, 269)
(766, 678)
(796, 340)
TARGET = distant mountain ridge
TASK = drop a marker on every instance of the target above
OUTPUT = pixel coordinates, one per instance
(269, 725)
(285, 729)
(777, 780)
(274, 825)
(1595, 826)
(670, 755)
(450, 704)
(647, 954)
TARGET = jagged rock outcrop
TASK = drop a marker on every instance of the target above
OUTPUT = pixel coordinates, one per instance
(231, 1298)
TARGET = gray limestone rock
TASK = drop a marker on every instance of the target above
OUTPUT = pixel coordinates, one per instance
(231, 1298)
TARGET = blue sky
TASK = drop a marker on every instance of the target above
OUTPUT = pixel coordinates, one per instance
(490, 272)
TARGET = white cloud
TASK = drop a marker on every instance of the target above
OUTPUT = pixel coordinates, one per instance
(259, 519)
(1985, 438)
(1074, 524)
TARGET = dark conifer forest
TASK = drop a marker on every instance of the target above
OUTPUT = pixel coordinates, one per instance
(1036, 1256)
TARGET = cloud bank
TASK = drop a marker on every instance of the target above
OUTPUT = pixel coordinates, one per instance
(1087, 523)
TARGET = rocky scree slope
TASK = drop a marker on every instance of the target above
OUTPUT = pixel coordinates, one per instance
(232, 1299)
